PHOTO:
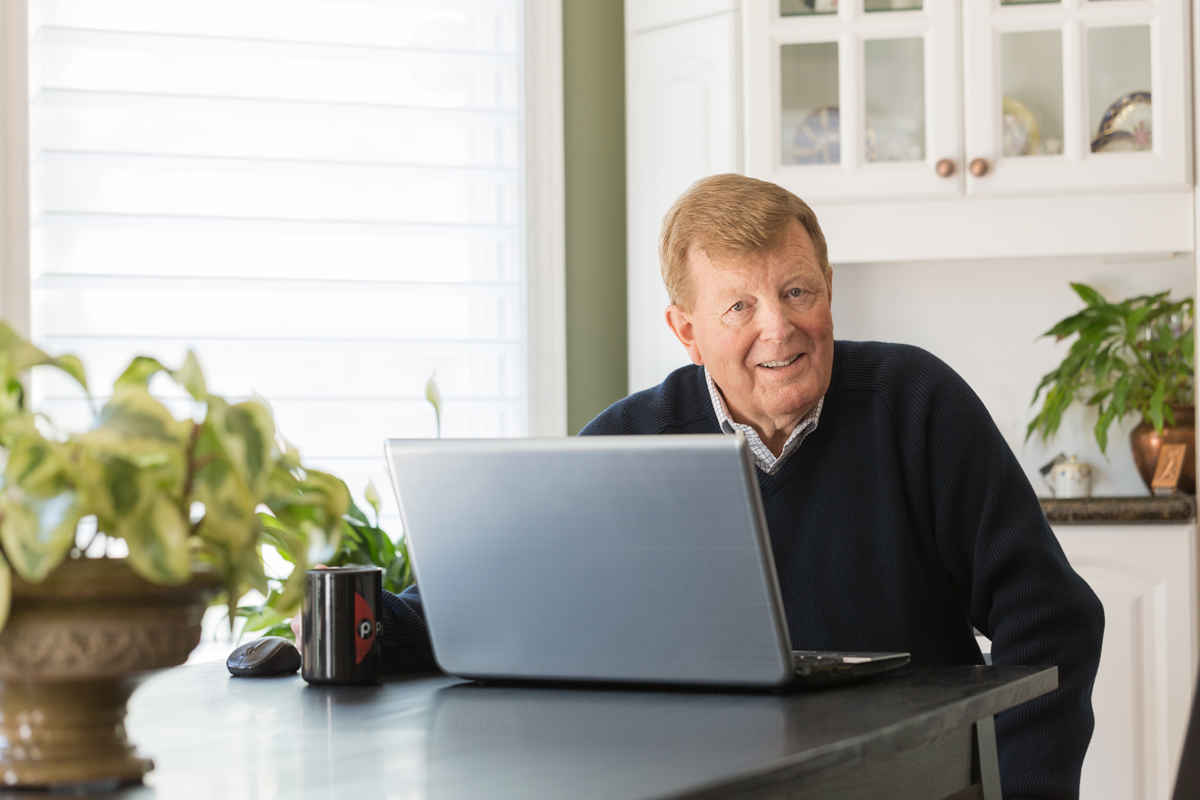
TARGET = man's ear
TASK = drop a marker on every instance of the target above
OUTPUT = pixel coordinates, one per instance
(680, 323)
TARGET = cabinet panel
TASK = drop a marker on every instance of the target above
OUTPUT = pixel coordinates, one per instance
(1146, 578)
(1076, 96)
(681, 116)
(854, 100)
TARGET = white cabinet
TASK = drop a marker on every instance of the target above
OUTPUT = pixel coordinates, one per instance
(854, 105)
(1102, 84)
(974, 129)
(871, 101)
(682, 124)
(1146, 577)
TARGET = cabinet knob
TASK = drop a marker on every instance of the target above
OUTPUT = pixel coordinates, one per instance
(945, 167)
(979, 167)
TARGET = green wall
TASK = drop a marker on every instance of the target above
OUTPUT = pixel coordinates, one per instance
(594, 150)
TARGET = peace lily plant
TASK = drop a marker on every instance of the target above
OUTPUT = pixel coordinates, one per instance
(199, 493)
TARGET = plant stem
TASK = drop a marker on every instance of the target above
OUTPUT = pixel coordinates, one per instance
(191, 471)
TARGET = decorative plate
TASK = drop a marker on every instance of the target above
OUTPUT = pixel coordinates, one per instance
(816, 138)
(1019, 129)
(1131, 114)
(1115, 142)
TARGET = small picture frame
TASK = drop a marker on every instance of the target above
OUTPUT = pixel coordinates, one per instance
(1168, 468)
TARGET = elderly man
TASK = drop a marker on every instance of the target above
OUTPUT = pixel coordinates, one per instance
(899, 518)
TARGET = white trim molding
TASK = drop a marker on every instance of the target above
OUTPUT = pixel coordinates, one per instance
(14, 165)
(545, 218)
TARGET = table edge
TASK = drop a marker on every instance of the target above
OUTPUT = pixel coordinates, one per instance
(848, 751)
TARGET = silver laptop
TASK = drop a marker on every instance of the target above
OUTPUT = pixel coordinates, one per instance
(610, 558)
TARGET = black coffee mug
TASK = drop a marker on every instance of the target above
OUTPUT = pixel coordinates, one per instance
(341, 621)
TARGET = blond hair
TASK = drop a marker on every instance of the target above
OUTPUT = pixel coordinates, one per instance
(729, 214)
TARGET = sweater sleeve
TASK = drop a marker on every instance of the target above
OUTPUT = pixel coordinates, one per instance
(1023, 594)
(404, 641)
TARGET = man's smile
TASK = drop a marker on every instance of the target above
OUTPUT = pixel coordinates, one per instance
(781, 364)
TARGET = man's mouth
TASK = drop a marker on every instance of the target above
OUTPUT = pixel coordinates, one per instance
(787, 362)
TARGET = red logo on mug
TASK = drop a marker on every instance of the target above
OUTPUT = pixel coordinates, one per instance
(364, 628)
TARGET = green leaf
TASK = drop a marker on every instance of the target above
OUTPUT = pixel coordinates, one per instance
(1135, 319)
(355, 515)
(37, 466)
(242, 435)
(1101, 429)
(398, 575)
(18, 354)
(379, 547)
(260, 617)
(1071, 324)
(133, 413)
(157, 538)
(1089, 295)
(5, 590)
(191, 377)
(72, 366)
(1121, 394)
(37, 533)
(282, 629)
(293, 589)
(287, 542)
(1155, 411)
(139, 372)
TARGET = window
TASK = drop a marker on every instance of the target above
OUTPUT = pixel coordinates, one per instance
(329, 200)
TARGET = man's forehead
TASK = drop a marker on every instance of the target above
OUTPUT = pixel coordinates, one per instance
(731, 267)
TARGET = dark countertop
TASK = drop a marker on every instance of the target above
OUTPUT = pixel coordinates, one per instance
(436, 736)
(1093, 510)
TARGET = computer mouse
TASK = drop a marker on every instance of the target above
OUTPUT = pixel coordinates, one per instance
(270, 655)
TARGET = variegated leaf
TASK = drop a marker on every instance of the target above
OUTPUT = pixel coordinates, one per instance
(248, 431)
(73, 366)
(133, 412)
(37, 533)
(36, 465)
(157, 539)
(191, 377)
(139, 372)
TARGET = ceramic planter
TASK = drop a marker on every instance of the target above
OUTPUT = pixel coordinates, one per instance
(1146, 443)
(75, 647)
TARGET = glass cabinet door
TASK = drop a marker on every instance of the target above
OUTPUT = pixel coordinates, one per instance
(1075, 94)
(853, 98)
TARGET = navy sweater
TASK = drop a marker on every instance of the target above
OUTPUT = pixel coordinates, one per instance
(900, 523)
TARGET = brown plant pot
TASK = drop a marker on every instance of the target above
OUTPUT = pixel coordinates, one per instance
(1146, 444)
(75, 647)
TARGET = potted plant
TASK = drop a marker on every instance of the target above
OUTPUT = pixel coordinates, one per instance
(362, 541)
(1131, 357)
(184, 493)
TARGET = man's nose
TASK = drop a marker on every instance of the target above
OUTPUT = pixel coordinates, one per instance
(774, 323)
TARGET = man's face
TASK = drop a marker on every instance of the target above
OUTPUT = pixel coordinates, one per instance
(761, 324)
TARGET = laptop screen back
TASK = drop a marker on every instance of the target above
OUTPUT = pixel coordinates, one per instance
(639, 558)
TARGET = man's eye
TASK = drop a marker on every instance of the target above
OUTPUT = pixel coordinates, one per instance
(738, 306)
(796, 292)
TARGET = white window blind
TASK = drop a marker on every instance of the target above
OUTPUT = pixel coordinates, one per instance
(325, 199)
